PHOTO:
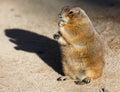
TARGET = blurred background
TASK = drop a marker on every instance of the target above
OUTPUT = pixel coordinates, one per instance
(30, 59)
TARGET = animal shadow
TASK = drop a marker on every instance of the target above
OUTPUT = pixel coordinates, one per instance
(47, 49)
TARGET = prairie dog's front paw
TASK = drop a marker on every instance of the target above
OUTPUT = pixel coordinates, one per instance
(59, 38)
(56, 36)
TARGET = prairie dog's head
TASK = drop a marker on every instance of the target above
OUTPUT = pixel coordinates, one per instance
(71, 15)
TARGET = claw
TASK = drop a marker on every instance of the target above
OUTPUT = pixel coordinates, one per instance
(62, 78)
(79, 82)
(56, 36)
(86, 80)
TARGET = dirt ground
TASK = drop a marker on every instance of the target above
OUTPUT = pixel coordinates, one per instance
(30, 60)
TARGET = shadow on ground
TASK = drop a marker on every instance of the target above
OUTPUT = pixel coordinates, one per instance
(47, 49)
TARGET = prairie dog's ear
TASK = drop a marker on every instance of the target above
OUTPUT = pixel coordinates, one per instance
(75, 10)
(66, 8)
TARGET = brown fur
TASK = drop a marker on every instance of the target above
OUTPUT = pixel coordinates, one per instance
(82, 48)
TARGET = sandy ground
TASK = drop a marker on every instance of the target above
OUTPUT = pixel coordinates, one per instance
(30, 59)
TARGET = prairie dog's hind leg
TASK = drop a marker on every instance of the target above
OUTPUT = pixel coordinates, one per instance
(82, 78)
(84, 81)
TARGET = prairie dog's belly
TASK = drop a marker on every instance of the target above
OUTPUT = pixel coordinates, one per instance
(75, 64)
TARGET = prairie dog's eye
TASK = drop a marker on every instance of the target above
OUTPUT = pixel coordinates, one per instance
(71, 12)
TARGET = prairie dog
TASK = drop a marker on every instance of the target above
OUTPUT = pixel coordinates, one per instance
(81, 45)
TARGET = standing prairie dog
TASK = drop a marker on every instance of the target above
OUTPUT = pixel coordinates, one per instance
(81, 45)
